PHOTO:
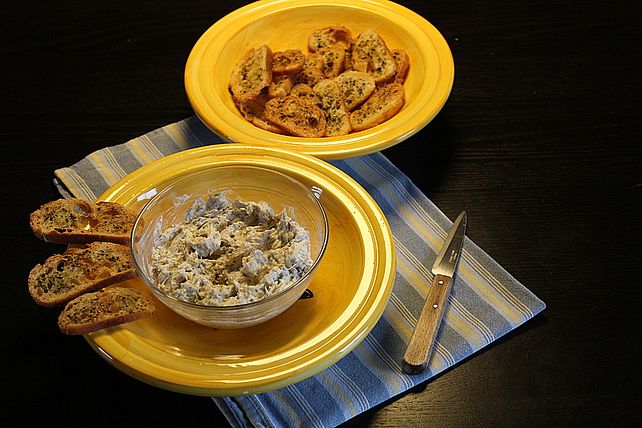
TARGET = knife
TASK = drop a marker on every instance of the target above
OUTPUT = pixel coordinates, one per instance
(423, 338)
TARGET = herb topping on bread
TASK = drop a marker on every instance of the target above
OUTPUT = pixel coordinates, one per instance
(357, 87)
(75, 221)
(287, 62)
(275, 91)
(329, 36)
(402, 60)
(370, 54)
(65, 276)
(105, 308)
(384, 103)
(331, 102)
(251, 74)
(298, 116)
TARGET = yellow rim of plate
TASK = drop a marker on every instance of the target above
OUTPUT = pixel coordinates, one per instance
(229, 125)
(141, 359)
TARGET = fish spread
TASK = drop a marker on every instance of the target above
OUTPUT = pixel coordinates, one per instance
(230, 252)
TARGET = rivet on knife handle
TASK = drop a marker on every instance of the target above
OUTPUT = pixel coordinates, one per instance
(423, 338)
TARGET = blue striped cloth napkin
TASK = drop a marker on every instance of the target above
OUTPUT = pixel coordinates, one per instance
(486, 301)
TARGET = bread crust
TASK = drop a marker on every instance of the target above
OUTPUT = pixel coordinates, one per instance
(370, 54)
(329, 36)
(280, 86)
(332, 60)
(254, 112)
(357, 86)
(347, 62)
(76, 221)
(65, 276)
(287, 62)
(305, 92)
(402, 60)
(251, 74)
(359, 66)
(384, 103)
(312, 71)
(105, 308)
(299, 117)
(331, 102)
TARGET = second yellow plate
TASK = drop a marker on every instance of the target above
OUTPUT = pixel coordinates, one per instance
(286, 24)
(351, 289)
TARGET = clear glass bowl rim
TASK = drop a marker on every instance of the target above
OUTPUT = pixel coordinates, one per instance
(273, 297)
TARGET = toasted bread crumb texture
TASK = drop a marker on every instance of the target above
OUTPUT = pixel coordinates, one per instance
(64, 215)
(105, 308)
(78, 270)
(280, 86)
(332, 60)
(329, 36)
(384, 103)
(306, 92)
(358, 65)
(113, 218)
(286, 62)
(371, 54)
(251, 74)
(254, 112)
(75, 221)
(331, 102)
(298, 116)
(402, 60)
(357, 87)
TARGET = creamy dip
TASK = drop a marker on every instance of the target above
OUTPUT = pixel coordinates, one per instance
(230, 252)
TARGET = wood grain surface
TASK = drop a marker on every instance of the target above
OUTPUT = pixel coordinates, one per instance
(539, 142)
(421, 343)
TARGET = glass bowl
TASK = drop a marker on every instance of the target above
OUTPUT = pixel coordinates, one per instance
(249, 183)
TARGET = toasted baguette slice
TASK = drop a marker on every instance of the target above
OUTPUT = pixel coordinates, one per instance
(75, 221)
(331, 102)
(287, 62)
(312, 71)
(251, 74)
(384, 103)
(356, 86)
(305, 92)
(329, 60)
(105, 308)
(309, 76)
(402, 60)
(370, 54)
(280, 85)
(65, 276)
(332, 60)
(299, 117)
(254, 112)
(329, 36)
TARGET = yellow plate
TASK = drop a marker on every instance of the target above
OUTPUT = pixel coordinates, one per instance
(285, 24)
(351, 288)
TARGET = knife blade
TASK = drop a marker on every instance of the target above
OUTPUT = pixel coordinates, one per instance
(423, 337)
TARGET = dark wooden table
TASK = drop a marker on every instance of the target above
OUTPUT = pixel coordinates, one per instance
(539, 142)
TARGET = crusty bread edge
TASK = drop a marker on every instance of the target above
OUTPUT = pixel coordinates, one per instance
(386, 114)
(63, 300)
(84, 237)
(80, 238)
(99, 325)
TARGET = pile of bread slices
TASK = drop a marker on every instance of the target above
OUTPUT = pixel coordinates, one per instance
(343, 84)
(98, 256)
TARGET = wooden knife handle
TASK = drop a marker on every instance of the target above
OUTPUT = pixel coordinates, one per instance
(423, 338)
